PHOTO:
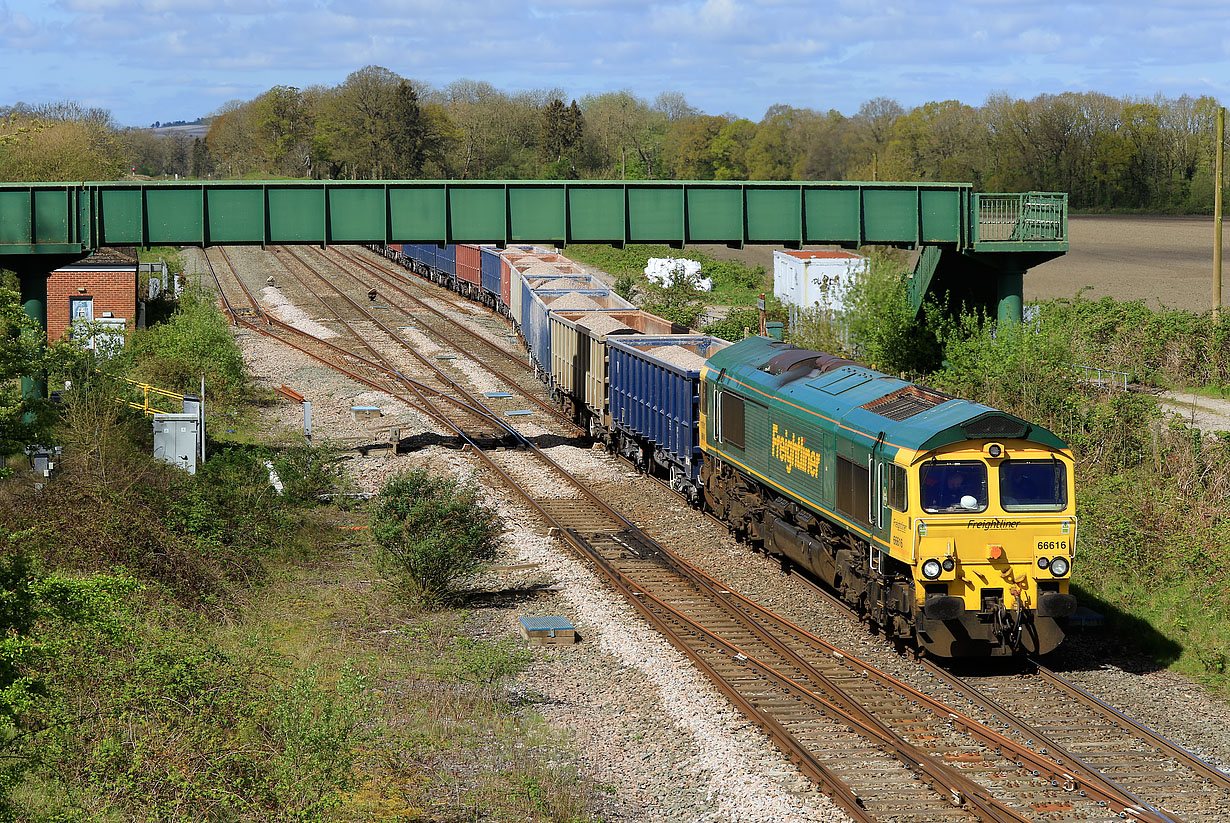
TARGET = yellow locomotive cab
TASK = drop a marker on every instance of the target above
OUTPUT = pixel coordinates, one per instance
(991, 532)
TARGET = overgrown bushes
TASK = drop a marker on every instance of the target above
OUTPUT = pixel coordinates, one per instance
(155, 721)
(195, 340)
(1166, 347)
(431, 531)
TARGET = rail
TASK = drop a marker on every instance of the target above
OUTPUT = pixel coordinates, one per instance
(793, 680)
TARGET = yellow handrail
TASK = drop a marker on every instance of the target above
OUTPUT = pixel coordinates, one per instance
(146, 391)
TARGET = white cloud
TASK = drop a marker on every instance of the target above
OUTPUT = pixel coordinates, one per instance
(725, 55)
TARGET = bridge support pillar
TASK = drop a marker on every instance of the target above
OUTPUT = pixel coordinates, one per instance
(34, 303)
(1011, 288)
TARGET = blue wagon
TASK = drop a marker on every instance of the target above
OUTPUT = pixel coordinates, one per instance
(655, 402)
(490, 266)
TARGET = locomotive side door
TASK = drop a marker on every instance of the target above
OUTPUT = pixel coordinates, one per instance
(879, 514)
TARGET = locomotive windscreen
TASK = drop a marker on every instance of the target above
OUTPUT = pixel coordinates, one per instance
(1033, 485)
(954, 486)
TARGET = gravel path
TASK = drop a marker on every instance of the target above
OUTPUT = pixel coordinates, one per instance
(1209, 414)
(643, 720)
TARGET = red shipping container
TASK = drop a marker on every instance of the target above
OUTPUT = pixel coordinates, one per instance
(469, 264)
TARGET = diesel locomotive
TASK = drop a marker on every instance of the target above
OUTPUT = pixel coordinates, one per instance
(941, 520)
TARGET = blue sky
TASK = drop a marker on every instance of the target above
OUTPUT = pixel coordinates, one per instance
(152, 60)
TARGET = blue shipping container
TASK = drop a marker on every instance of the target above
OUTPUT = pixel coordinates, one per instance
(446, 259)
(656, 399)
(491, 271)
(417, 252)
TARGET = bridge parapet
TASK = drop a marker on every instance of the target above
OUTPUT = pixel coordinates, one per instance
(68, 218)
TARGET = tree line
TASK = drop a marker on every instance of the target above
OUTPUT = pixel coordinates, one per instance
(1107, 152)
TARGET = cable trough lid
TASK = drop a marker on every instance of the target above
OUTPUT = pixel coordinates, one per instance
(546, 631)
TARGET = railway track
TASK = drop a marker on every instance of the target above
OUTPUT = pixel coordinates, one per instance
(1058, 719)
(377, 374)
(508, 393)
(881, 749)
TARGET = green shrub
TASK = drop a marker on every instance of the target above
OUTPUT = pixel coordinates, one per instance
(680, 302)
(432, 530)
(308, 473)
(158, 723)
(732, 325)
(884, 331)
(196, 340)
(37, 614)
(1166, 347)
(22, 420)
(625, 285)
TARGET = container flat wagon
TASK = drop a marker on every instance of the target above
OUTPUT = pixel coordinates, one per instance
(489, 272)
(468, 267)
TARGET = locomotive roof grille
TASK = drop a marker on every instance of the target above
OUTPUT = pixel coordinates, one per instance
(995, 425)
(906, 402)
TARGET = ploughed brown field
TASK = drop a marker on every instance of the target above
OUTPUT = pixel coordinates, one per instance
(1127, 257)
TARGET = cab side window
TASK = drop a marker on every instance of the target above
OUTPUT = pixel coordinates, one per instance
(898, 499)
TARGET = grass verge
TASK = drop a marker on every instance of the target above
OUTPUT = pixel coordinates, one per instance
(734, 283)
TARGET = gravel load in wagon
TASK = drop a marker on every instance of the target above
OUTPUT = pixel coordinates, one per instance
(573, 283)
(532, 268)
(563, 282)
(573, 301)
(679, 355)
(602, 324)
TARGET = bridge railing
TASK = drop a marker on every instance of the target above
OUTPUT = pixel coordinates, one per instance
(1020, 218)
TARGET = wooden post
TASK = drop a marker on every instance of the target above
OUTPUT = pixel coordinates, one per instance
(1218, 184)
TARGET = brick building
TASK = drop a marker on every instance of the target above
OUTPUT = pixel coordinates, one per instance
(102, 287)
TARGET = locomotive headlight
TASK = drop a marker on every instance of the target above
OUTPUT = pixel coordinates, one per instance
(931, 569)
(948, 564)
(1043, 562)
(1059, 566)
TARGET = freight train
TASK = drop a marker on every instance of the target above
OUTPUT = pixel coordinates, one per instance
(944, 522)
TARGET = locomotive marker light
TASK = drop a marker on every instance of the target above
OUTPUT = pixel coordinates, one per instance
(949, 565)
(1059, 566)
(995, 450)
(1043, 562)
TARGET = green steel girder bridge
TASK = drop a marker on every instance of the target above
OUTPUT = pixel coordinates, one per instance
(975, 247)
